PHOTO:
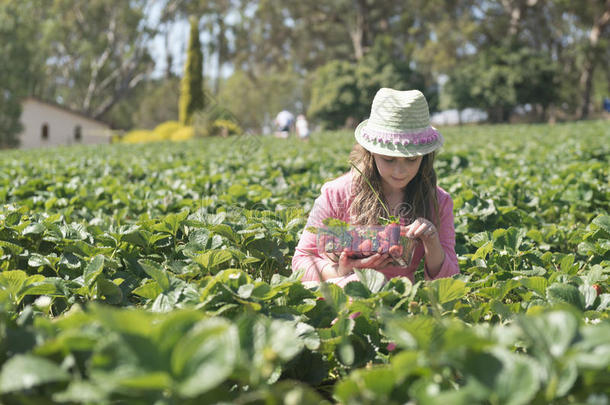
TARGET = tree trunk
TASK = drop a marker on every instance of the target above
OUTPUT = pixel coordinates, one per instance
(356, 34)
(360, 30)
(221, 51)
(586, 83)
(169, 60)
(586, 78)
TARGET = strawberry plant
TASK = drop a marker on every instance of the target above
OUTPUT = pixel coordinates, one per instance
(161, 273)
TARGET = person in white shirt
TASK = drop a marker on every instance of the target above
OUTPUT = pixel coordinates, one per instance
(284, 122)
(302, 127)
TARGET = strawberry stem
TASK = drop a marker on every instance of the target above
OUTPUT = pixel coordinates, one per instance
(391, 217)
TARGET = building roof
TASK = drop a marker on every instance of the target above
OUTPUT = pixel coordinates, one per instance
(66, 109)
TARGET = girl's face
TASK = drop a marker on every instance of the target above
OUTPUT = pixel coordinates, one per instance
(396, 172)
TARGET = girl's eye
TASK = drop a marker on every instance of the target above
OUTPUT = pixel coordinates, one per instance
(389, 160)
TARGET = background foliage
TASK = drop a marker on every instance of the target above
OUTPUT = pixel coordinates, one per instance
(485, 53)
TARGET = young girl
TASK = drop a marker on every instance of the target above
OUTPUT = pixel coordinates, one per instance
(395, 152)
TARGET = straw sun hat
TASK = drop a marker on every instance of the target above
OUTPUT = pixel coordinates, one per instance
(399, 125)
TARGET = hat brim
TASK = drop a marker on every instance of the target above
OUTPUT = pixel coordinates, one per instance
(389, 149)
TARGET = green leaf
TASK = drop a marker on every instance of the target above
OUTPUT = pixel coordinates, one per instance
(108, 291)
(566, 263)
(357, 290)
(24, 371)
(93, 270)
(213, 258)
(380, 381)
(479, 239)
(12, 281)
(171, 223)
(155, 381)
(551, 333)
(334, 295)
(226, 231)
(154, 270)
(603, 222)
(509, 378)
(448, 289)
(12, 219)
(371, 279)
(149, 290)
(589, 294)
(404, 331)
(537, 284)
(558, 293)
(81, 392)
(205, 356)
(33, 229)
(137, 237)
(52, 286)
(37, 260)
(308, 335)
(483, 251)
(283, 339)
(346, 353)
(11, 247)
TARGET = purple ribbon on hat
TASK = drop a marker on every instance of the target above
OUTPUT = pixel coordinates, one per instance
(426, 136)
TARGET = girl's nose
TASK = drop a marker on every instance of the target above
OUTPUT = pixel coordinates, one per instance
(400, 167)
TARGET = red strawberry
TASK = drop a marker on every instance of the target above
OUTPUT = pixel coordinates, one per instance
(366, 246)
(395, 250)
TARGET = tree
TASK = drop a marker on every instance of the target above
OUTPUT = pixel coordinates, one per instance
(96, 52)
(498, 79)
(18, 65)
(254, 104)
(191, 94)
(213, 19)
(152, 102)
(334, 94)
(599, 17)
(342, 92)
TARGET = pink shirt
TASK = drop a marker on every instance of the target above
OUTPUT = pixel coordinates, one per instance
(334, 202)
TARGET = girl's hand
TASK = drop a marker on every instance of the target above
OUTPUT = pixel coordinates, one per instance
(377, 261)
(423, 229)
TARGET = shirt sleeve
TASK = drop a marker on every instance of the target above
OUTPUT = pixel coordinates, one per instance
(306, 255)
(446, 233)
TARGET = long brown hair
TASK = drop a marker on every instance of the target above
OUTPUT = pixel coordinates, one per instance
(419, 195)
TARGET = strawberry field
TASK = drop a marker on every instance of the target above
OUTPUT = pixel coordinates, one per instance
(161, 274)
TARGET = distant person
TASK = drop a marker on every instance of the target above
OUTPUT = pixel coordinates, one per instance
(302, 127)
(284, 122)
(606, 104)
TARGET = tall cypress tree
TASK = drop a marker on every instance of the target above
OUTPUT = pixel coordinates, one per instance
(191, 93)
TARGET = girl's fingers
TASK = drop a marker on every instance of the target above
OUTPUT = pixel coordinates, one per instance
(372, 261)
(382, 262)
(387, 263)
(421, 229)
(411, 229)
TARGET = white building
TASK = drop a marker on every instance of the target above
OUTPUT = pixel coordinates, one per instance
(46, 124)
